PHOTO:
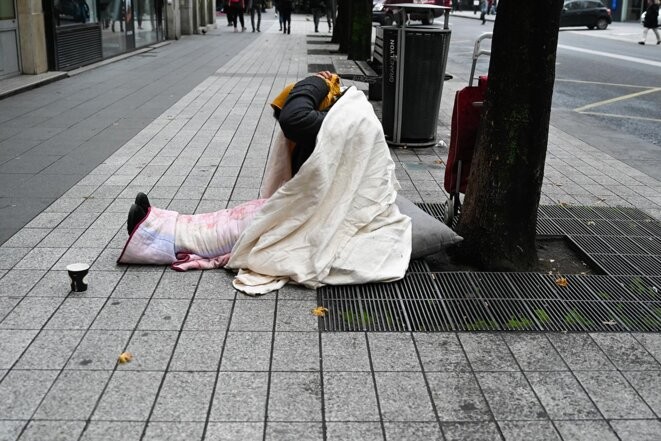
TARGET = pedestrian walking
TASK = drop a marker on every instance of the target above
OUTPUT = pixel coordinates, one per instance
(316, 7)
(651, 21)
(483, 11)
(285, 15)
(255, 6)
(236, 9)
(331, 13)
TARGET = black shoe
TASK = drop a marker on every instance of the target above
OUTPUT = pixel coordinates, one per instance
(658, 42)
(142, 200)
(289, 30)
(641, 42)
(136, 215)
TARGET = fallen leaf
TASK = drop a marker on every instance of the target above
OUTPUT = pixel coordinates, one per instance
(590, 222)
(551, 260)
(319, 311)
(124, 357)
(610, 322)
(439, 161)
(561, 281)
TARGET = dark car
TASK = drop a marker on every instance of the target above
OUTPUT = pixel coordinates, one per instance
(590, 13)
(386, 15)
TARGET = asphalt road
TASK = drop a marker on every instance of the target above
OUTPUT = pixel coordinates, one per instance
(608, 87)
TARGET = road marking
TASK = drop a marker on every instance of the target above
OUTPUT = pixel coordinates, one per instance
(606, 54)
(614, 115)
(619, 98)
(601, 83)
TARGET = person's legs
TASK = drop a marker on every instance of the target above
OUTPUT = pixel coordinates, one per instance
(259, 17)
(239, 12)
(645, 31)
(252, 18)
(656, 33)
(315, 19)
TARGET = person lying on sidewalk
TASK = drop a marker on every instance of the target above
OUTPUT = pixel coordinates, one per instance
(204, 241)
(328, 211)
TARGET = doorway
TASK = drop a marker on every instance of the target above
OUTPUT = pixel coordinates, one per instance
(9, 64)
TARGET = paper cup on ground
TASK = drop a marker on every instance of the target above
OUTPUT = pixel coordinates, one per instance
(77, 275)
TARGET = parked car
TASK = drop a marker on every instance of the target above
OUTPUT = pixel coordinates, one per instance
(590, 13)
(386, 15)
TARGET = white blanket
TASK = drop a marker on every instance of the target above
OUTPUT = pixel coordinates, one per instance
(335, 222)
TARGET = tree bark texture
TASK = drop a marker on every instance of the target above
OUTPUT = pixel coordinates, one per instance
(360, 43)
(343, 26)
(499, 214)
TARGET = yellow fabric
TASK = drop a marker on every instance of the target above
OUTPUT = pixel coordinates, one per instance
(333, 94)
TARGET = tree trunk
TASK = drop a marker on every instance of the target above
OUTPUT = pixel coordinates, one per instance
(360, 42)
(341, 33)
(499, 214)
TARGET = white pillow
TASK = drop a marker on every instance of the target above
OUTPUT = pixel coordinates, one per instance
(429, 234)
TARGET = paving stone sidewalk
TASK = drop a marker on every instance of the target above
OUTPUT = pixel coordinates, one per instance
(213, 364)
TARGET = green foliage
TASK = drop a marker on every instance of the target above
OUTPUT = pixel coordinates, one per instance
(519, 323)
(574, 317)
(542, 316)
(482, 325)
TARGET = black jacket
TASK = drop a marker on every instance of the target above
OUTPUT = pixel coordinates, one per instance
(652, 16)
(300, 120)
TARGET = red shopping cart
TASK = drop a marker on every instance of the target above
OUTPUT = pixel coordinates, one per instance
(466, 116)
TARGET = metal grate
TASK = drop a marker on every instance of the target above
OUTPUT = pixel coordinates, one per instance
(625, 243)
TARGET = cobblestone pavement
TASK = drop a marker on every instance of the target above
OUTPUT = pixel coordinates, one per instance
(213, 364)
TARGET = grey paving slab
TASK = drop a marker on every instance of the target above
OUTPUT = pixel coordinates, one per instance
(31, 313)
(534, 352)
(637, 430)
(510, 397)
(648, 386)
(53, 284)
(174, 431)
(529, 431)
(6, 305)
(613, 395)
(12, 344)
(247, 351)
(276, 431)
(471, 431)
(198, 351)
(9, 257)
(49, 350)
(345, 352)
(598, 430)
(21, 392)
(457, 397)
(120, 314)
(240, 396)
(108, 430)
(251, 315)
(440, 352)
(488, 352)
(625, 352)
(580, 352)
(75, 313)
(393, 352)
(184, 396)
(295, 351)
(27, 237)
(413, 431)
(53, 430)
(215, 285)
(347, 431)
(17, 283)
(234, 431)
(77, 255)
(651, 342)
(99, 350)
(294, 315)
(562, 396)
(294, 396)
(129, 396)
(164, 315)
(177, 285)
(137, 285)
(208, 315)
(73, 395)
(350, 396)
(40, 258)
(151, 350)
(394, 388)
(9, 430)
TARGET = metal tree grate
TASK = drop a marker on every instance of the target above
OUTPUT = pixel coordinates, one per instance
(625, 243)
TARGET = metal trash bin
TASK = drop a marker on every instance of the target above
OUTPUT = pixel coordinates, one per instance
(414, 60)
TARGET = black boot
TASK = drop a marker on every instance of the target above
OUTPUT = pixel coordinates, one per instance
(136, 215)
(142, 200)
